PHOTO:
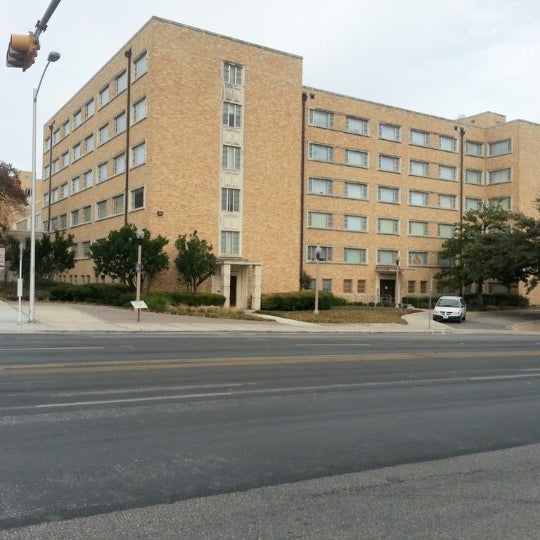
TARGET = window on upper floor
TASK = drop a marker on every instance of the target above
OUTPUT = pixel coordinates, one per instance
(418, 228)
(449, 144)
(354, 256)
(232, 73)
(56, 137)
(66, 128)
(120, 122)
(419, 168)
(321, 152)
(65, 159)
(231, 157)
(121, 82)
(140, 65)
(323, 119)
(230, 199)
(137, 198)
(138, 154)
(320, 186)
(419, 138)
(418, 198)
(75, 185)
(445, 230)
(89, 143)
(388, 194)
(88, 179)
(499, 148)
(77, 119)
(355, 223)
(418, 258)
(389, 163)
(355, 190)
(359, 126)
(77, 152)
(473, 176)
(388, 226)
(101, 209)
(325, 254)
(355, 158)
(447, 202)
(503, 202)
(103, 134)
(320, 220)
(473, 204)
(104, 96)
(389, 132)
(119, 164)
(387, 256)
(473, 148)
(118, 204)
(90, 108)
(103, 172)
(232, 115)
(87, 214)
(74, 218)
(230, 243)
(446, 172)
(499, 176)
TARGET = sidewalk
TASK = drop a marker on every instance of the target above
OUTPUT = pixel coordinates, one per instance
(51, 317)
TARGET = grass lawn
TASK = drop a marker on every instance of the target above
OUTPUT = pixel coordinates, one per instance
(347, 315)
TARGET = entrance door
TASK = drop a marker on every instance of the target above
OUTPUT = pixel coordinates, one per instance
(388, 291)
(232, 294)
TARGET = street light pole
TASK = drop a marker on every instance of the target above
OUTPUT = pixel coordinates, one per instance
(398, 285)
(53, 57)
(318, 251)
(461, 130)
(140, 236)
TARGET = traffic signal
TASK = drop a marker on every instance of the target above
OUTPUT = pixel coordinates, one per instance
(22, 51)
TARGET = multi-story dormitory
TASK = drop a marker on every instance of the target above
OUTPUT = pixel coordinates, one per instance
(186, 130)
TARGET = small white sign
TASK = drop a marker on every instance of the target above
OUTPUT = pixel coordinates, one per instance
(139, 304)
(2, 258)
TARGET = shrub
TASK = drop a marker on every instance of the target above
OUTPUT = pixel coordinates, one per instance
(299, 301)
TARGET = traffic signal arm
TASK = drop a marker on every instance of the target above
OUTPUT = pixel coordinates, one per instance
(22, 51)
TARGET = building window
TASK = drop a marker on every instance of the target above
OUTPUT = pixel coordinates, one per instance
(65, 127)
(54, 195)
(55, 166)
(445, 230)
(347, 286)
(139, 110)
(388, 163)
(418, 258)
(473, 148)
(104, 96)
(387, 256)
(447, 202)
(320, 152)
(449, 144)
(356, 158)
(389, 132)
(499, 148)
(473, 176)
(423, 287)
(56, 137)
(46, 173)
(119, 164)
(46, 145)
(354, 190)
(419, 138)
(88, 179)
(499, 176)
(85, 249)
(445, 262)
(65, 159)
(418, 228)
(64, 190)
(447, 172)
(354, 255)
(120, 123)
(118, 204)
(101, 208)
(90, 108)
(103, 172)
(77, 119)
(87, 214)
(89, 143)
(75, 185)
(231, 157)
(320, 186)
(327, 285)
(232, 115)
(387, 226)
(121, 82)
(411, 287)
(418, 198)
(77, 152)
(230, 242)
(473, 204)
(419, 168)
(103, 134)
(355, 223)
(361, 286)
(388, 194)
(46, 199)
(232, 73)
(326, 253)
(74, 218)
(503, 202)
(358, 126)
(138, 154)
(321, 119)
(140, 66)
(230, 200)
(137, 198)
(319, 220)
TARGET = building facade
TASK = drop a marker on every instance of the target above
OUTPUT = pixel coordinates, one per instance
(186, 130)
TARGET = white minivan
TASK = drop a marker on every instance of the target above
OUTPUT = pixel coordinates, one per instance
(450, 308)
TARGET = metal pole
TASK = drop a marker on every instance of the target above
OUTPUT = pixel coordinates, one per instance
(51, 127)
(41, 25)
(139, 263)
(19, 281)
(128, 122)
(317, 258)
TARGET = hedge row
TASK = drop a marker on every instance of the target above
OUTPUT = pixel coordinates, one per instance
(299, 301)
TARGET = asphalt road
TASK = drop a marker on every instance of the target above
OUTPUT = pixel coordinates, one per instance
(95, 424)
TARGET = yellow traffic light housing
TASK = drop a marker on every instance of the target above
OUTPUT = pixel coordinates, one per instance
(22, 51)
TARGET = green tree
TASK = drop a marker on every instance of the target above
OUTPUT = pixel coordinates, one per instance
(195, 261)
(12, 196)
(52, 256)
(475, 249)
(116, 256)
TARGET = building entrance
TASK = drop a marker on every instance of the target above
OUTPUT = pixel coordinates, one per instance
(388, 292)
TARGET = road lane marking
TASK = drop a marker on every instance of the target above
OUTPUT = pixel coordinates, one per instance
(150, 364)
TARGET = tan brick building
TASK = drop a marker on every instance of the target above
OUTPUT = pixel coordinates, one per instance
(197, 131)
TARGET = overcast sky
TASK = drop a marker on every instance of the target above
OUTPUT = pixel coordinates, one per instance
(440, 57)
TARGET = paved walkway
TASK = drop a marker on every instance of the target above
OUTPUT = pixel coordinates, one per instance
(56, 317)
